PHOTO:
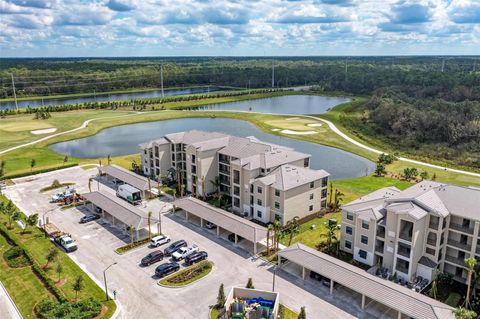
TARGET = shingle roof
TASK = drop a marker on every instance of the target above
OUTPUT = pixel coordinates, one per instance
(406, 301)
(288, 176)
(194, 136)
(222, 218)
(409, 208)
(128, 177)
(120, 209)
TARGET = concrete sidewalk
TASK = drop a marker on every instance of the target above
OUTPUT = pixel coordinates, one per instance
(8, 309)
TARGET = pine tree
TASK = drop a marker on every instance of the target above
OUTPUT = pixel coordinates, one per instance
(221, 297)
(250, 284)
(302, 314)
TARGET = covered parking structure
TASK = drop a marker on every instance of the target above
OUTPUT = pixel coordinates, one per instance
(119, 213)
(120, 174)
(222, 219)
(408, 303)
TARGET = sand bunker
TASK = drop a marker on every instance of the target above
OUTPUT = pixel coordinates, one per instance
(315, 124)
(275, 129)
(292, 118)
(299, 132)
(44, 131)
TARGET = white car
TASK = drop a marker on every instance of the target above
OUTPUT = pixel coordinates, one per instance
(159, 240)
(184, 252)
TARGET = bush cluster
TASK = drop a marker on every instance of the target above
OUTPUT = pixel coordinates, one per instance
(15, 257)
(85, 309)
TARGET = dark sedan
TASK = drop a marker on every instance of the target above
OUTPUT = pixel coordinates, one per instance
(174, 247)
(89, 218)
(152, 258)
(166, 269)
(196, 257)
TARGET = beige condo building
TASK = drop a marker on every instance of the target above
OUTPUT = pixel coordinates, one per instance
(262, 181)
(414, 232)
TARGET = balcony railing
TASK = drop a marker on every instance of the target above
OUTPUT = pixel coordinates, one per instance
(460, 245)
(405, 236)
(433, 226)
(402, 269)
(455, 260)
(431, 241)
(379, 249)
(381, 232)
(462, 228)
(404, 252)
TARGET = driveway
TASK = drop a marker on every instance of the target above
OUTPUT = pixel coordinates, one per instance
(137, 290)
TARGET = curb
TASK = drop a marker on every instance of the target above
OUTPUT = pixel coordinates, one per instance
(193, 282)
(2, 287)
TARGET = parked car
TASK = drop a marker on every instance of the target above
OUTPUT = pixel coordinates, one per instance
(69, 192)
(210, 225)
(184, 252)
(174, 247)
(231, 237)
(89, 218)
(316, 276)
(152, 258)
(166, 269)
(159, 240)
(196, 257)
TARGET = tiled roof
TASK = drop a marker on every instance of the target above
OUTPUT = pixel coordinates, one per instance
(128, 177)
(392, 295)
(289, 176)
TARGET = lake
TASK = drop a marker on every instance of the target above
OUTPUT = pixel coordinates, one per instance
(123, 140)
(287, 104)
(109, 97)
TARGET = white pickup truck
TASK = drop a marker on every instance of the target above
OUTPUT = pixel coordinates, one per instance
(184, 252)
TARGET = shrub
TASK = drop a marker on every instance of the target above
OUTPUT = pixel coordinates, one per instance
(85, 309)
(15, 257)
(453, 299)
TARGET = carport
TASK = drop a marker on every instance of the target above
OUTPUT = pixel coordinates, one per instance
(406, 302)
(119, 213)
(117, 173)
(222, 219)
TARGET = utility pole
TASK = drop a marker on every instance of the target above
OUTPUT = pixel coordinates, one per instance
(161, 78)
(14, 93)
(273, 74)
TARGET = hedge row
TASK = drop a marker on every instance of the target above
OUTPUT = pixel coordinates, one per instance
(36, 268)
(45, 170)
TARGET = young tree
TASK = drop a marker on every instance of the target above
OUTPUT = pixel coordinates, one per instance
(216, 184)
(52, 254)
(464, 313)
(380, 170)
(220, 297)
(65, 159)
(434, 177)
(293, 227)
(78, 286)
(338, 197)
(33, 162)
(250, 284)
(302, 314)
(332, 228)
(471, 263)
(32, 220)
(59, 270)
(109, 159)
(424, 175)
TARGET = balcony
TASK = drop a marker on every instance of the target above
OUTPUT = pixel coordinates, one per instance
(455, 260)
(431, 242)
(433, 226)
(460, 245)
(405, 235)
(402, 269)
(381, 232)
(461, 228)
(379, 249)
(403, 251)
(224, 170)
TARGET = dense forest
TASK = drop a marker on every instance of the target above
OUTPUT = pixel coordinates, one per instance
(426, 105)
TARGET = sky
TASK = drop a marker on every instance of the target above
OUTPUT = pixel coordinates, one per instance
(56, 28)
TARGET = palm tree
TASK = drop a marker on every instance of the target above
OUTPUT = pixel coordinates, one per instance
(109, 159)
(149, 216)
(434, 288)
(332, 228)
(471, 263)
(250, 284)
(59, 270)
(293, 227)
(277, 227)
(149, 188)
(132, 232)
(33, 162)
(65, 159)
(13, 214)
(32, 220)
(216, 184)
(330, 201)
(337, 199)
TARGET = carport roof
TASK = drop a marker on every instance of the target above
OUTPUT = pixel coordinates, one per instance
(128, 177)
(390, 294)
(118, 208)
(229, 221)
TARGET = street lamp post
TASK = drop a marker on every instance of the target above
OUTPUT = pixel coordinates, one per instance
(105, 279)
(274, 275)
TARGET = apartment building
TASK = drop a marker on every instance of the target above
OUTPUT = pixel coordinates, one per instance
(414, 232)
(261, 181)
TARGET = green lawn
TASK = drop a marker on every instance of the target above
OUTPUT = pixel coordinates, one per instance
(26, 289)
(205, 267)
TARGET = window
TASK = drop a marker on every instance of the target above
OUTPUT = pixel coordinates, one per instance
(277, 193)
(259, 190)
(311, 196)
(324, 182)
(310, 208)
(145, 151)
(251, 200)
(324, 193)
(236, 176)
(349, 216)
(194, 169)
(430, 251)
(312, 184)
(173, 147)
(193, 159)
(348, 230)
(173, 157)
(259, 214)
(348, 244)
(362, 254)
(259, 202)
(236, 190)
(278, 217)
(324, 203)
(262, 170)
(277, 205)
(365, 224)
(306, 162)
(364, 240)
(236, 202)
(251, 188)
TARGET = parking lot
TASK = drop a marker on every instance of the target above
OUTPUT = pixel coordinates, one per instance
(138, 294)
